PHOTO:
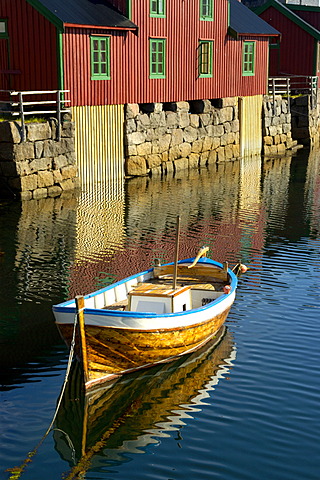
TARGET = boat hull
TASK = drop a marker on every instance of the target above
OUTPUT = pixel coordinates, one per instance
(114, 351)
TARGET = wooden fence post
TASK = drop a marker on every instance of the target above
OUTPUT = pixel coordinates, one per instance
(23, 125)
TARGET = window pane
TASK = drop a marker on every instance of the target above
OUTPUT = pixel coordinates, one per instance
(100, 57)
(248, 58)
(157, 7)
(157, 58)
(206, 8)
(205, 58)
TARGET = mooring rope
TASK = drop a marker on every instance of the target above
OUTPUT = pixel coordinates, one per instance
(16, 472)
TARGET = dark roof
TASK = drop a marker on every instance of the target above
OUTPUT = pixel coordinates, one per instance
(290, 15)
(95, 13)
(244, 22)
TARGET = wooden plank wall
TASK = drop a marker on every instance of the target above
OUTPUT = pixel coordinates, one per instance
(250, 109)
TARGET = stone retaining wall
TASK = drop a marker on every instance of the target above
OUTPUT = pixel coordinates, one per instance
(276, 124)
(41, 166)
(286, 129)
(163, 138)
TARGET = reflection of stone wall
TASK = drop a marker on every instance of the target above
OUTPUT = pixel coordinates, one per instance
(275, 190)
(305, 120)
(164, 138)
(41, 166)
(45, 240)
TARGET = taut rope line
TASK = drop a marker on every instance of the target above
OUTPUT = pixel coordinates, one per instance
(16, 472)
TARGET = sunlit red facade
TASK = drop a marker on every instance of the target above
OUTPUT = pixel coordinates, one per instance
(45, 52)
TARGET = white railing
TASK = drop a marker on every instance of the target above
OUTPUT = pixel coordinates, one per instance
(294, 85)
(17, 106)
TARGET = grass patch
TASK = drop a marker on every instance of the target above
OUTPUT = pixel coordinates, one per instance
(27, 119)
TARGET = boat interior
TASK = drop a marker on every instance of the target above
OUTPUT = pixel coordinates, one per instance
(165, 290)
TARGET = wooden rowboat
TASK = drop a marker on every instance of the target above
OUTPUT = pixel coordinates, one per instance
(149, 318)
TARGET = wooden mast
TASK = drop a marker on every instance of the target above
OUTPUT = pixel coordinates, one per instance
(176, 254)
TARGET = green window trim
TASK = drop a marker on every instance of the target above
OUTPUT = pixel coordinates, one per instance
(158, 8)
(129, 9)
(157, 58)
(205, 58)
(3, 28)
(248, 58)
(100, 58)
(206, 10)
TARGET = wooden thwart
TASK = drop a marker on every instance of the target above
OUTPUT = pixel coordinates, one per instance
(192, 273)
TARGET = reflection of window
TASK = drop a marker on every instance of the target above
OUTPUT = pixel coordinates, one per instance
(157, 58)
(205, 58)
(157, 8)
(206, 9)
(248, 58)
(100, 58)
(3, 29)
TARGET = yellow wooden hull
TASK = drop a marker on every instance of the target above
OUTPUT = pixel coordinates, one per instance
(114, 351)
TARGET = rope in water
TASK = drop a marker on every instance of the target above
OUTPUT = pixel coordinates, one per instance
(16, 472)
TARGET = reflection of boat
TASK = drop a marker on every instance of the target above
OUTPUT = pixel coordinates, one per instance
(106, 424)
(149, 318)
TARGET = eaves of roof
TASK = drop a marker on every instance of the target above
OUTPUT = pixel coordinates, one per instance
(244, 22)
(82, 14)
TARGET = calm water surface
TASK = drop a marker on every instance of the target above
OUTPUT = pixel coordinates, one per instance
(245, 409)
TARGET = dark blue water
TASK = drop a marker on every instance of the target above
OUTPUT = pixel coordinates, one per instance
(245, 409)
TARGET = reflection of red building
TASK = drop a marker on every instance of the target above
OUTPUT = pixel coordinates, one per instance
(220, 208)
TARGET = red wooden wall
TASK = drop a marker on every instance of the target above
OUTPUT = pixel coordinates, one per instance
(34, 53)
(296, 56)
(182, 28)
(310, 16)
(32, 47)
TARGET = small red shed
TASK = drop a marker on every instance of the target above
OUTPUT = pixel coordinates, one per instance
(298, 51)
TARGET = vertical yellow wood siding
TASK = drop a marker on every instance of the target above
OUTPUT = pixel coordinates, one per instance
(99, 142)
(250, 111)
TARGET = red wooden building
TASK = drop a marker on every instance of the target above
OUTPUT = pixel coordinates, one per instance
(298, 52)
(111, 53)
